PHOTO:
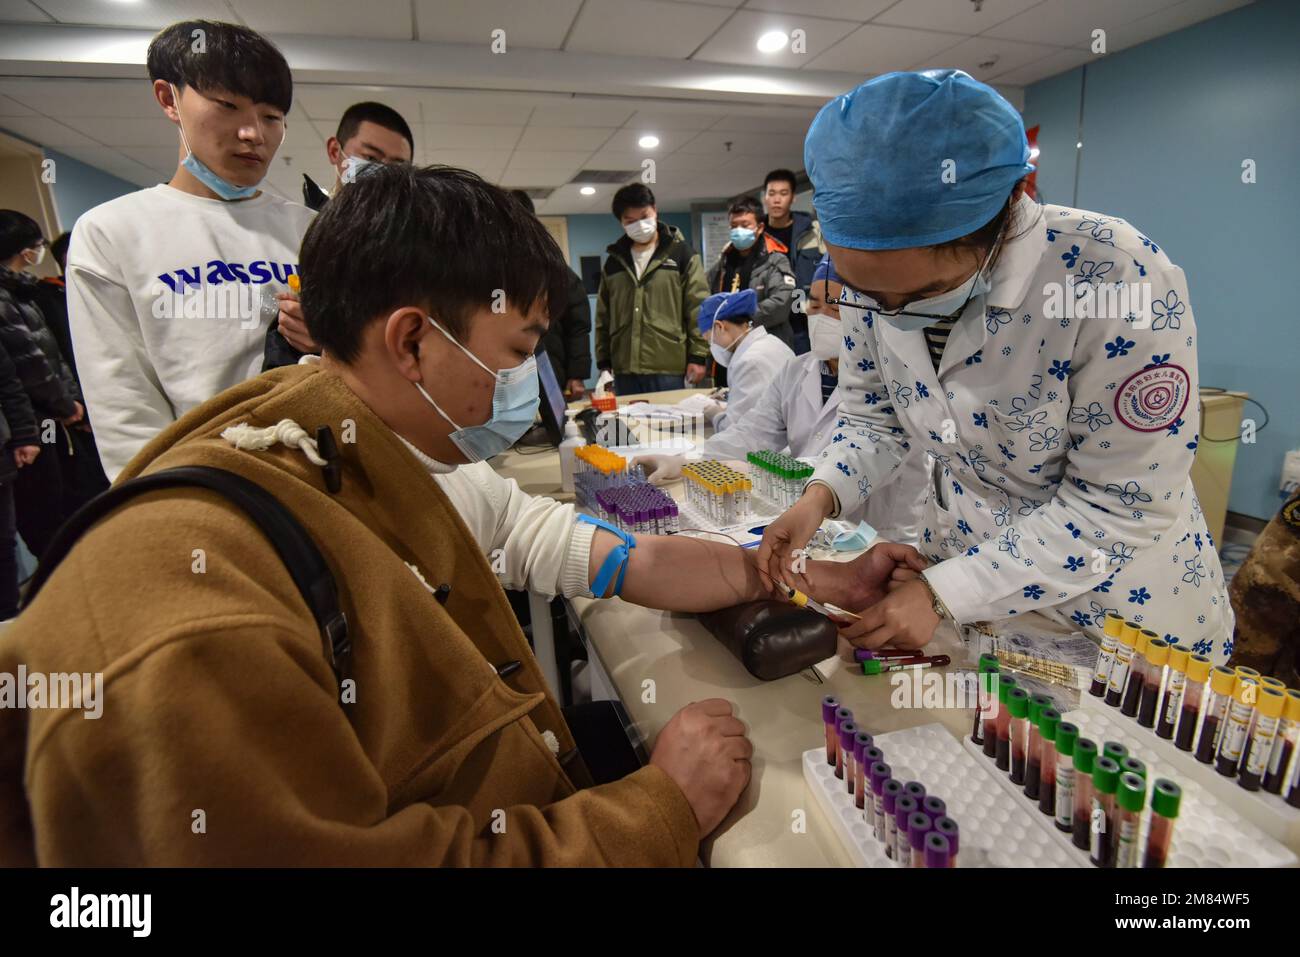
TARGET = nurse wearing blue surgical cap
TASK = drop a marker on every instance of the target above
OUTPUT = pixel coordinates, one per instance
(751, 356)
(1042, 359)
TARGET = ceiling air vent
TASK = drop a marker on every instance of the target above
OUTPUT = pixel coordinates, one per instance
(595, 177)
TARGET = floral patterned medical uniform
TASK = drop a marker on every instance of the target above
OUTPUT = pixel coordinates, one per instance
(1060, 447)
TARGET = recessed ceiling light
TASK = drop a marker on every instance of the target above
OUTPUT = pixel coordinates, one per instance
(588, 191)
(648, 142)
(772, 41)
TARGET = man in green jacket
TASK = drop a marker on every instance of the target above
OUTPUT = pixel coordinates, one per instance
(650, 291)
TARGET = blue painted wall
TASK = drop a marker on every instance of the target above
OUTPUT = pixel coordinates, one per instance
(589, 234)
(1166, 128)
(78, 187)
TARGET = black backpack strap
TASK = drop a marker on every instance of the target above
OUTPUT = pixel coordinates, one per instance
(295, 547)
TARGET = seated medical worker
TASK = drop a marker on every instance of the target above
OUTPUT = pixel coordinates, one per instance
(798, 413)
(751, 355)
(1044, 358)
(228, 736)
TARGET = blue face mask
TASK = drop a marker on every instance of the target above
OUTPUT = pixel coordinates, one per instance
(514, 407)
(743, 238)
(200, 171)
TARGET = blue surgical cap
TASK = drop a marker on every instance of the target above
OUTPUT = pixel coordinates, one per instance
(913, 159)
(732, 306)
(826, 270)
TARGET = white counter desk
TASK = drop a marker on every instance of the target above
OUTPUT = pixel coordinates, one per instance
(634, 645)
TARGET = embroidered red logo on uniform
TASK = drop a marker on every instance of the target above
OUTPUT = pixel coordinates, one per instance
(1153, 399)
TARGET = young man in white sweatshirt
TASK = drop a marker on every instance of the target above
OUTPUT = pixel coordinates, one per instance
(171, 289)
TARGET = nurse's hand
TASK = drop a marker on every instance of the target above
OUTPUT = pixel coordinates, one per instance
(661, 468)
(868, 578)
(904, 619)
(792, 530)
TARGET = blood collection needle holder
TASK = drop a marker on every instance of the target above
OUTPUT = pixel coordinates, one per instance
(1268, 812)
(1207, 833)
(995, 832)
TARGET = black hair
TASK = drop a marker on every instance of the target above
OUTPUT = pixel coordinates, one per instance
(781, 175)
(630, 197)
(18, 231)
(1001, 229)
(376, 113)
(524, 199)
(59, 250)
(746, 204)
(208, 55)
(436, 237)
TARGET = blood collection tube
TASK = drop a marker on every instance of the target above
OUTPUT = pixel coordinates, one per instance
(1049, 719)
(1018, 704)
(1293, 795)
(841, 715)
(1033, 745)
(916, 790)
(1198, 671)
(1067, 735)
(948, 828)
(1165, 799)
(852, 773)
(831, 704)
(1157, 656)
(889, 795)
(1001, 751)
(1111, 629)
(1268, 715)
(861, 741)
(1137, 675)
(918, 826)
(1222, 682)
(937, 852)
(1131, 799)
(1132, 765)
(1246, 671)
(1114, 750)
(1236, 725)
(1123, 661)
(880, 773)
(1085, 762)
(899, 849)
(987, 677)
(1288, 737)
(934, 806)
(1265, 681)
(1168, 708)
(1105, 782)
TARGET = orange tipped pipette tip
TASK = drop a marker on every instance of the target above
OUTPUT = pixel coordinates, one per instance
(803, 601)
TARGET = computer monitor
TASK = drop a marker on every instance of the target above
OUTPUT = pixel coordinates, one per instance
(553, 404)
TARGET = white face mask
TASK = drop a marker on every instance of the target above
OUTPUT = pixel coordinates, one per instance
(40, 256)
(824, 335)
(642, 229)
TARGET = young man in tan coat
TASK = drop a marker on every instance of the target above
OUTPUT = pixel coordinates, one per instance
(225, 737)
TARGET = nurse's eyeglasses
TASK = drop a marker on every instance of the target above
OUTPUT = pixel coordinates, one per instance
(903, 310)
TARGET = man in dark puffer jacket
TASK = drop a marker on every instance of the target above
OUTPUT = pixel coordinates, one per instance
(48, 381)
(19, 447)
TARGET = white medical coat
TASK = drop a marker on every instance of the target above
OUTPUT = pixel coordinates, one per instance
(756, 361)
(1060, 448)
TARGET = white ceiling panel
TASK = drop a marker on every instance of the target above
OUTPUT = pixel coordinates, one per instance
(537, 24)
(641, 28)
(475, 109)
(125, 131)
(148, 14)
(874, 49)
(373, 19)
(464, 137)
(1070, 23)
(548, 159)
(22, 11)
(857, 10)
(986, 57)
(583, 113)
(68, 98)
(954, 16)
(738, 42)
(1057, 62)
(321, 102)
(689, 117)
(542, 137)
(47, 132)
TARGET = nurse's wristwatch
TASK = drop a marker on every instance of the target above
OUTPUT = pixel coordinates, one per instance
(936, 603)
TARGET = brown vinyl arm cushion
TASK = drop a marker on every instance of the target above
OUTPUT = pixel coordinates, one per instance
(773, 639)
